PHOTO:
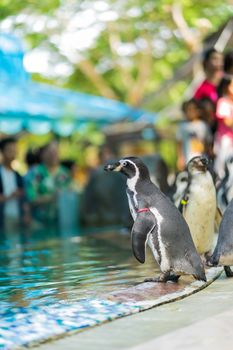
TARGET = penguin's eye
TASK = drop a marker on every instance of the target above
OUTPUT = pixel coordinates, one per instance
(125, 163)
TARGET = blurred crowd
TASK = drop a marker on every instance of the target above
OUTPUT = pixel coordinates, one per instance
(48, 194)
(32, 199)
(207, 127)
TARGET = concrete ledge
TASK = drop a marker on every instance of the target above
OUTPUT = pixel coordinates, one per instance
(212, 333)
(143, 297)
(148, 295)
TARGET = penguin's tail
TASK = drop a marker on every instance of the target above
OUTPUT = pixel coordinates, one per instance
(201, 276)
(199, 270)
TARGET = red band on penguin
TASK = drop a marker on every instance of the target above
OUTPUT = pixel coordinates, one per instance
(143, 209)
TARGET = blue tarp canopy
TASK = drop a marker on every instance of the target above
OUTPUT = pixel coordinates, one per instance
(40, 108)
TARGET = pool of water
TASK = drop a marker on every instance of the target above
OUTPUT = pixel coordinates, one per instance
(44, 269)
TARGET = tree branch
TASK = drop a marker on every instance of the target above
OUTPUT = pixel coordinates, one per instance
(191, 41)
(114, 42)
(96, 79)
(136, 93)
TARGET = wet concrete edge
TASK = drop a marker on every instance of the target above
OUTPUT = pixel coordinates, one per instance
(212, 274)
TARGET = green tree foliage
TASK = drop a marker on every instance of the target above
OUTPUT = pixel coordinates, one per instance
(114, 48)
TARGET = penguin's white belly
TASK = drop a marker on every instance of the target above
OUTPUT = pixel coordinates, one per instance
(132, 208)
(226, 260)
(161, 256)
(152, 247)
(200, 216)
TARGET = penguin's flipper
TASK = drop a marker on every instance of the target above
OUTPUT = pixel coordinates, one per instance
(143, 225)
(185, 197)
(183, 202)
(218, 219)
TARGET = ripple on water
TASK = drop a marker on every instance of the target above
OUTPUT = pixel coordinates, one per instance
(49, 271)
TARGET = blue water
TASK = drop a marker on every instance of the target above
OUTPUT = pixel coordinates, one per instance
(45, 268)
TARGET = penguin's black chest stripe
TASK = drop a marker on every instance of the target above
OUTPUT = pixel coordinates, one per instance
(132, 202)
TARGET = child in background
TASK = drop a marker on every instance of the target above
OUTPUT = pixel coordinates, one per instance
(212, 65)
(224, 136)
(14, 211)
(193, 135)
(208, 114)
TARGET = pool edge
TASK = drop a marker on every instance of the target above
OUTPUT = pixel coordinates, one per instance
(194, 287)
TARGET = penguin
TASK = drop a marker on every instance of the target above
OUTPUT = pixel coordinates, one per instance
(199, 205)
(225, 187)
(223, 252)
(181, 183)
(158, 223)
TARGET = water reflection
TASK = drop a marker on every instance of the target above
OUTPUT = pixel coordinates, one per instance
(46, 268)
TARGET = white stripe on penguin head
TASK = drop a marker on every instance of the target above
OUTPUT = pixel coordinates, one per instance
(131, 183)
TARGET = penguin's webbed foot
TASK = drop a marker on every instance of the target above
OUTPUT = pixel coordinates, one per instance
(209, 263)
(206, 258)
(153, 279)
(163, 278)
(228, 271)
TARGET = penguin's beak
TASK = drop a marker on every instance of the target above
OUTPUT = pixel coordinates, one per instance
(113, 167)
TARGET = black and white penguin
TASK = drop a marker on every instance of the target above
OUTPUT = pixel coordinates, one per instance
(158, 223)
(223, 252)
(199, 206)
(181, 183)
(225, 187)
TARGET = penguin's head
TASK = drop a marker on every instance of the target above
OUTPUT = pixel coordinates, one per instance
(130, 166)
(198, 164)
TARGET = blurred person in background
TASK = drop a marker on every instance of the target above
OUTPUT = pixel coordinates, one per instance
(223, 146)
(32, 158)
(72, 168)
(193, 134)
(104, 201)
(206, 92)
(14, 210)
(158, 171)
(228, 62)
(213, 68)
(69, 201)
(208, 113)
(45, 182)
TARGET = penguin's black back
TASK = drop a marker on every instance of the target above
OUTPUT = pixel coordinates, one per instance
(225, 237)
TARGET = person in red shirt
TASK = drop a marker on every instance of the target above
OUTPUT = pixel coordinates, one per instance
(224, 135)
(213, 66)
